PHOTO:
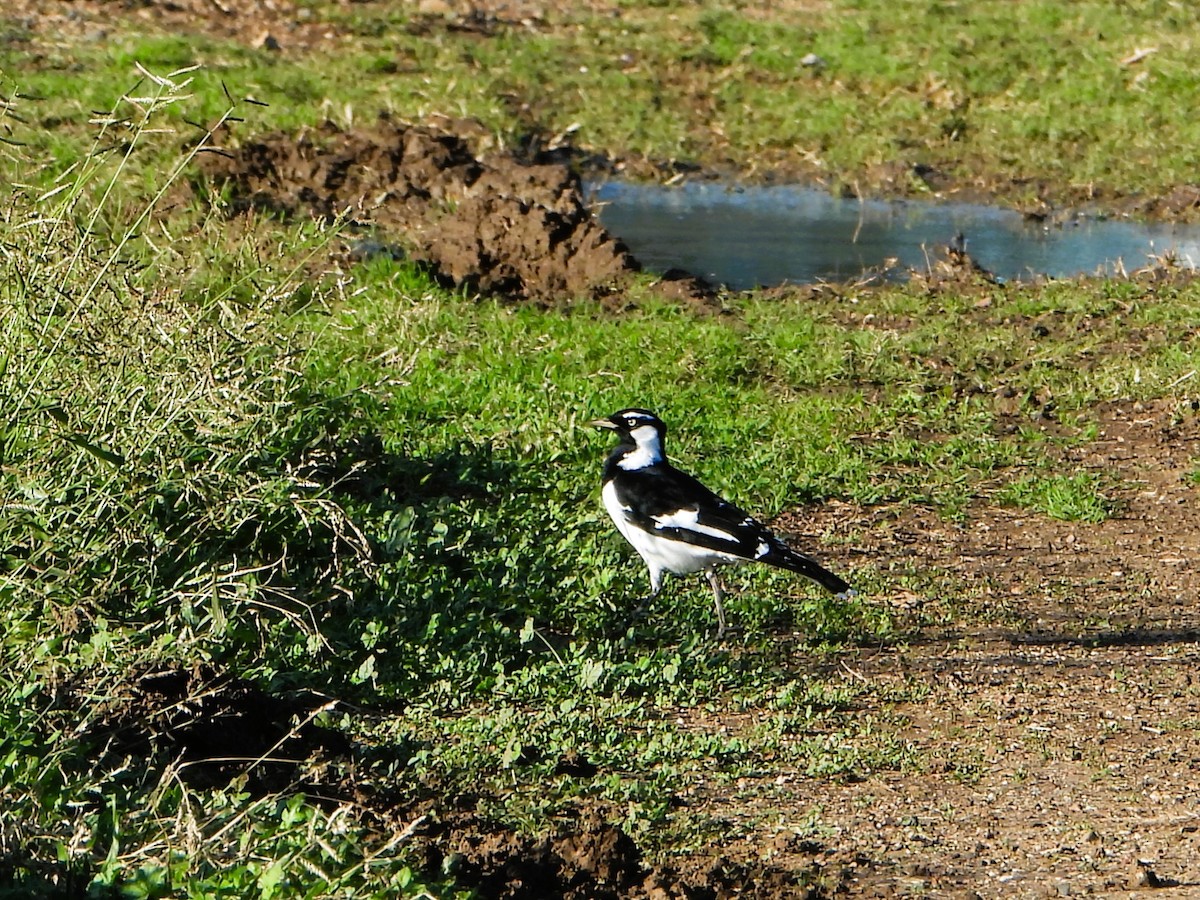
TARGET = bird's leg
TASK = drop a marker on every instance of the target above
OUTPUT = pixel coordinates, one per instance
(640, 610)
(656, 581)
(715, 581)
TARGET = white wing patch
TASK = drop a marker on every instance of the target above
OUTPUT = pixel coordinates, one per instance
(662, 553)
(689, 520)
(761, 550)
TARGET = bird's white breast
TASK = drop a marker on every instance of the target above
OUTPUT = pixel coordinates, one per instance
(615, 509)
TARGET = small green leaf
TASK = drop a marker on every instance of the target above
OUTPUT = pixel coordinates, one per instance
(103, 453)
(269, 881)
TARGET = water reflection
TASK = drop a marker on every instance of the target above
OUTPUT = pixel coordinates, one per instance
(745, 237)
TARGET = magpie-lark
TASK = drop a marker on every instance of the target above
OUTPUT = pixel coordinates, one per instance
(677, 524)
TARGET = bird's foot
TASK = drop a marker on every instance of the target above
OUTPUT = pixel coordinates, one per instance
(725, 631)
(639, 612)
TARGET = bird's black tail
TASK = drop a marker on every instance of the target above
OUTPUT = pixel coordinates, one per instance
(785, 557)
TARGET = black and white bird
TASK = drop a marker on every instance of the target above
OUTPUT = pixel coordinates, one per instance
(677, 524)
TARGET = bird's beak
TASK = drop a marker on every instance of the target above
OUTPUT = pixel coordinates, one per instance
(604, 423)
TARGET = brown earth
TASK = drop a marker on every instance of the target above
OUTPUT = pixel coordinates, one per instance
(272, 25)
(1065, 746)
(497, 225)
(276, 26)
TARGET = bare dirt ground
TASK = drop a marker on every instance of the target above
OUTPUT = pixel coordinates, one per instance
(1065, 743)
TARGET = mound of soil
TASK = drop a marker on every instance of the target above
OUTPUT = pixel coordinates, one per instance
(497, 225)
(596, 860)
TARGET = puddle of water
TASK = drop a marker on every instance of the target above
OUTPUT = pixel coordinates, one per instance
(752, 236)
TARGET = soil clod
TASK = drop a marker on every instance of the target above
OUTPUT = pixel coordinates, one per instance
(495, 225)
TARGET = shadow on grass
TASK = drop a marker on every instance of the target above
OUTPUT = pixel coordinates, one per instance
(1127, 637)
(465, 547)
(22, 878)
(359, 468)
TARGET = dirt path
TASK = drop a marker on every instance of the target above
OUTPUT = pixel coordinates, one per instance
(1064, 747)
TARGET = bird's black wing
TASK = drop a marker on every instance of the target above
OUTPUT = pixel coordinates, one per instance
(664, 501)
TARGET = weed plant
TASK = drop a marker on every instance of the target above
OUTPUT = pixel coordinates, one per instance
(156, 513)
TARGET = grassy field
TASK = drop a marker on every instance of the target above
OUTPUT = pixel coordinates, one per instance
(228, 450)
(1028, 101)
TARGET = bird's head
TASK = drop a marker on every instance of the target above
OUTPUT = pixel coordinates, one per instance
(638, 428)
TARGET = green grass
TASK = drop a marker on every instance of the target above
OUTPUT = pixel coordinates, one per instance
(1075, 497)
(1031, 97)
(220, 449)
(388, 493)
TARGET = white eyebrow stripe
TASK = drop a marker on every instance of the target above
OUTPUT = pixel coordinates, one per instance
(689, 520)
